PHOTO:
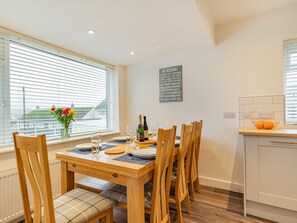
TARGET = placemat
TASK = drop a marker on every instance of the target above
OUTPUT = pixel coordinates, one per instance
(131, 159)
(89, 151)
(117, 142)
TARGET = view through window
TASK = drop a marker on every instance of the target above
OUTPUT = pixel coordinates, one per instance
(37, 79)
(290, 80)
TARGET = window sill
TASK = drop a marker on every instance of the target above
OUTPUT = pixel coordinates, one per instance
(10, 148)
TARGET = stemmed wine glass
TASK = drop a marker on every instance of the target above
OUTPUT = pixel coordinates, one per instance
(96, 138)
(128, 134)
(154, 129)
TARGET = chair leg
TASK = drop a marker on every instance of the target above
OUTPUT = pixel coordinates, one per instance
(188, 203)
(179, 211)
(191, 187)
(109, 216)
(197, 185)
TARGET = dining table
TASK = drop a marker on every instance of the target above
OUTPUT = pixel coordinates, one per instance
(105, 167)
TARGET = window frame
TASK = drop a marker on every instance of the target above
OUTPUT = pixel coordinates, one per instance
(287, 44)
(111, 89)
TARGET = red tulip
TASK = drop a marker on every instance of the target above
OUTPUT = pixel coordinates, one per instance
(53, 109)
(65, 111)
(68, 108)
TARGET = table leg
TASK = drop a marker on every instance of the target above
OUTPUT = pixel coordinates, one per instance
(135, 200)
(67, 178)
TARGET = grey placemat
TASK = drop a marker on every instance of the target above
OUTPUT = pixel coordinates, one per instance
(131, 159)
(89, 151)
(117, 142)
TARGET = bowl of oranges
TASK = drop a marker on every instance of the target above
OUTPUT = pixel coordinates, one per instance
(264, 120)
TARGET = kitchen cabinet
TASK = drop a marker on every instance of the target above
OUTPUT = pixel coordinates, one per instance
(270, 174)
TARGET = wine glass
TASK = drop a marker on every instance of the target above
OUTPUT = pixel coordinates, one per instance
(154, 129)
(96, 138)
(128, 134)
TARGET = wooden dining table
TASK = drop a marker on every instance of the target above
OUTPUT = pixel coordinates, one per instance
(131, 175)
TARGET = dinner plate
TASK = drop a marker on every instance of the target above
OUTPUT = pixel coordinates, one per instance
(119, 138)
(88, 147)
(144, 153)
(84, 147)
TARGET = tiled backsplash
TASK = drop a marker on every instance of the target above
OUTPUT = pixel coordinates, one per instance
(261, 104)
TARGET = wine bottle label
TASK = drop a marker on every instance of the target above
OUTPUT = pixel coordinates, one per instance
(141, 137)
(146, 134)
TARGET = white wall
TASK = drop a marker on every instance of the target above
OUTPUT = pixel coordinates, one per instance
(246, 61)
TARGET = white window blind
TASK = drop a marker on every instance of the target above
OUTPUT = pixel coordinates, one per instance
(33, 79)
(290, 83)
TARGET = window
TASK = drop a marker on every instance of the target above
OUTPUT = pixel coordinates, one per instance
(290, 87)
(33, 79)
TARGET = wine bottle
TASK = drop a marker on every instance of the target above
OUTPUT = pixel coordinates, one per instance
(146, 132)
(140, 130)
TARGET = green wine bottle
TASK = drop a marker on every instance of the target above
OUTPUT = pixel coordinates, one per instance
(140, 130)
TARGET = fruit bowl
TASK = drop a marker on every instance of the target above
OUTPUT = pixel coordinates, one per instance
(264, 120)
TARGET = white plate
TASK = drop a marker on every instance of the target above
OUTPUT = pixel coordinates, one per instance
(84, 147)
(144, 153)
(119, 138)
(88, 147)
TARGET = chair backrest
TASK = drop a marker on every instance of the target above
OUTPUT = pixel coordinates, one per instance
(32, 161)
(185, 150)
(162, 175)
(196, 149)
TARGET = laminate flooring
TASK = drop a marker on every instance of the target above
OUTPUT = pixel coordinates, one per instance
(212, 205)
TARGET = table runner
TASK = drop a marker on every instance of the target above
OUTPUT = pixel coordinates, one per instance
(90, 151)
(131, 159)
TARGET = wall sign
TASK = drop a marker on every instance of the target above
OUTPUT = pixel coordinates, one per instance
(171, 86)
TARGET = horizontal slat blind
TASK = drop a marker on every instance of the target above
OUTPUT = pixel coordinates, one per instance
(290, 72)
(37, 79)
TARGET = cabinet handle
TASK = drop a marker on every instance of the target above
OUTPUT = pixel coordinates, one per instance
(280, 142)
(115, 175)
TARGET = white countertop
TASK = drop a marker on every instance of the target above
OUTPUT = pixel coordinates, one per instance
(269, 132)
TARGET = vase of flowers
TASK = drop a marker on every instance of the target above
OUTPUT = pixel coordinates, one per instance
(64, 116)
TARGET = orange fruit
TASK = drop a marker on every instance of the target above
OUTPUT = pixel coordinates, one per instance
(259, 125)
(268, 125)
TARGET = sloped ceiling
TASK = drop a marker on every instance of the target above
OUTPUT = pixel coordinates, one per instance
(150, 28)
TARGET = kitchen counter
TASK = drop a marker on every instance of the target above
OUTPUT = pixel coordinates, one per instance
(268, 132)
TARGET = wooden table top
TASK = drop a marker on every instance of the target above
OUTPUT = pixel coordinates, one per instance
(105, 161)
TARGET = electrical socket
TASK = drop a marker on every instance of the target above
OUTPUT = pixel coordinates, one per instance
(229, 115)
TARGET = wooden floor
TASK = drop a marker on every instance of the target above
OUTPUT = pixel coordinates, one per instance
(211, 206)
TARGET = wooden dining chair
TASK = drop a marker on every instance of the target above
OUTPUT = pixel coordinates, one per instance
(180, 176)
(194, 183)
(76, 206)
(156, 193)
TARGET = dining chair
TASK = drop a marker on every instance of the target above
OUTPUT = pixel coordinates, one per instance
(77, 205)
(194, 174)
(180, 176)
(156, 193)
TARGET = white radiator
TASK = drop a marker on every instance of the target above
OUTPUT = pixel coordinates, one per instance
(11, 206)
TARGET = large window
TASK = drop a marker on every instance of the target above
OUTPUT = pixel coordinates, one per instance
(33, 79)
(290, 80)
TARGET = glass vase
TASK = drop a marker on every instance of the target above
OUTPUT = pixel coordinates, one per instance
(65, 133)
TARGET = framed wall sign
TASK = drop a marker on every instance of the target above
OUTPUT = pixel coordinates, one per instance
(170, 84)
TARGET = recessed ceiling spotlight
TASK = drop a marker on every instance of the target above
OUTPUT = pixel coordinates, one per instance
(91, 31)
(132, 53)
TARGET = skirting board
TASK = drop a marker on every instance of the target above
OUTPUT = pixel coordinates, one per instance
(222, 184)
(272, 213)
